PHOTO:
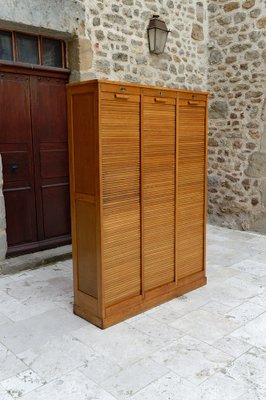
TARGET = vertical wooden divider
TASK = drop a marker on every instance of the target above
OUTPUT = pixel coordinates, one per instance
(176, 187)
(101, 280)
(142, 244)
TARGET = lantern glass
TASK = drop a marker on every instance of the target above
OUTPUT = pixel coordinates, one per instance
(152, 35)
(161, 37)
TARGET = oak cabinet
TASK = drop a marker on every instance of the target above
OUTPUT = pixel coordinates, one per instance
(138, 196)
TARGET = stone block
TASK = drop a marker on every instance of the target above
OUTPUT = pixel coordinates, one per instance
(3, 245)
(260, 223)
(233, 5)
(257, 165)
(261, 23)
(248, 4)
(263, 192)
(2, 213)
(215, 57)
(197, 32)
(80, 54)
(218, 110)
(200, 12)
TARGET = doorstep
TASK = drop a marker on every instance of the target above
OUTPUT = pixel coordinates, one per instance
(35, 260)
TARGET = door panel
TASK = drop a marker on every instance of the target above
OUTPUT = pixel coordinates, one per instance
(17, 156)
(33, 145)
(158, 191)
(56, 208)
(51, 157)
(21, 220)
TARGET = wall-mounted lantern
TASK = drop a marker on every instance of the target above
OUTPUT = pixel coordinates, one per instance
(157, 35)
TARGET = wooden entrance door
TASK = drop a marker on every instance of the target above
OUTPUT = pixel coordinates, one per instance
(33, 145)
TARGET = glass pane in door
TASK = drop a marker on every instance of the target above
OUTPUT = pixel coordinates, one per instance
(6, 51)
(27, 47)
(52, 52)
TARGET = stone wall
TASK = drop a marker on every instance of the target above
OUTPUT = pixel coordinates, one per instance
(237, 119)
(119, 47)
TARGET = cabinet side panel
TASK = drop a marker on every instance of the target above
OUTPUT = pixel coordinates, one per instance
(120, 143)
(86, 247)
(158, 191)
(84, 209)
(191, 189)
(84, 142)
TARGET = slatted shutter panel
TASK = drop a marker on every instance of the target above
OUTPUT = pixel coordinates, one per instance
(158, 193)
(120, 144)
(191, 189)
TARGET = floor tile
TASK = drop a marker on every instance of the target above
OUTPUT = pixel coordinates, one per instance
(72, 386)
(41, 289)
(99, 368)
(232, 346)
(169, 387)
(17, 310)
(205, 326)
(156, 329)
(244, 313)
(10, 365)
(253, 332)
(3, 319)
(192, 359)
(216, 308)
(232, 295)
(22, 383)
(135, 345)
(221, 387)
(56, 357)
(251, 266)
(253, 394)
(260, 299)
(164, 315)
(185, 304)
(4, 395)
(133, 378)
(37, 330)
(5, 281)
(250, 368)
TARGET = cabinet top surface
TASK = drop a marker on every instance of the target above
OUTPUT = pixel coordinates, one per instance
(138, 85)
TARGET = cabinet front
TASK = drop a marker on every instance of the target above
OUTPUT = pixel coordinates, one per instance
(120, 163)
(158, 189)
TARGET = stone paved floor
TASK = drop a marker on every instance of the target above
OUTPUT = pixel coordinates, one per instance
(207, 345)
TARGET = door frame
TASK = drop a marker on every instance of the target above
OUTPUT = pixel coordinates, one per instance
(41, 71)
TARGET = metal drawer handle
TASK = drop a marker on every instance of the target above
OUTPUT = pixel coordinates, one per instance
(160, 100)
(121, 96)
(193, 103)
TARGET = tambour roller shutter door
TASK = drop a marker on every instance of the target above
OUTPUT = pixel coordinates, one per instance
(120, 147)
(191, 189)
(158, 190)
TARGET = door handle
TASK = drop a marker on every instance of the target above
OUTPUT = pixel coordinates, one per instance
(160, 100)
(121, 96)
(193, 103)
(14, 166)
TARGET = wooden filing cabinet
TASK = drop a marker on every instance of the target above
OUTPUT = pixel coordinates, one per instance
(138, 196)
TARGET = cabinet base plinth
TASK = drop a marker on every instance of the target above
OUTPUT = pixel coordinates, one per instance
(123, 312)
